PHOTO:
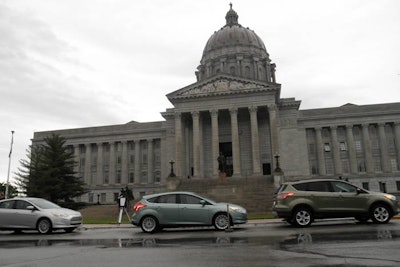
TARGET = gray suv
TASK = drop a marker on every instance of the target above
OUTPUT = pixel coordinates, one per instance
(299, 203)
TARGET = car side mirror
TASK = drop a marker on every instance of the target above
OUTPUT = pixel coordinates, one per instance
(359, 191)
(31, 208)
(203, 202)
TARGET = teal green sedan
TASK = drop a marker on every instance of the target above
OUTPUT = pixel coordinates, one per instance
(180, 209)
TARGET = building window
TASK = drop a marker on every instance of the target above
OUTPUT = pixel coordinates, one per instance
(398, 185)
(118, 159)
(343, 146)
(90, 197)
(358, 145)
(131, 177)
(361, 165)
(103, 197)
(232, 70)
(106, 177)
(377, 164)
(382, 187)
(345, 166)
(82, 149)
(365, 185)
(394, 165)
(327, 147)
(116, 195)
(118, 180)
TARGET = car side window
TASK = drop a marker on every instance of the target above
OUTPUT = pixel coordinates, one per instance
(343, 187)
(188, 199)
(7, 204)
(319, 187)
(22, 205)
(170, 199)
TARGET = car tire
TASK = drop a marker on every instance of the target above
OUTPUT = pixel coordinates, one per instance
(44, 226)
(149, 224)
(380, 213)
(221, 221)
(302, 217)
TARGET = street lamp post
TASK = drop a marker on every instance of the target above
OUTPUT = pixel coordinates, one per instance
(9, 165)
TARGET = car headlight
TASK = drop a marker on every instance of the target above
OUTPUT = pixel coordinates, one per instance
(55, 214)
(237, 209)
(390, 197)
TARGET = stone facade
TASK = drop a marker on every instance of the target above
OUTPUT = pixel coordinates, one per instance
(234, 109)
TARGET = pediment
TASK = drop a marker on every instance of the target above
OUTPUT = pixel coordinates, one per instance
(221, 86)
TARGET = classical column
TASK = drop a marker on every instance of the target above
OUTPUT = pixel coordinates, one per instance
(215, 141)
(150, 161)
(383, 148)
(335, 149)
(99, 163)
(351, 149)
(137, 162)
(196, 143)
(112, 169)
(397, 140)
(320, 151)
(255, 142)
(124, 163)
(272, 110)
(178, 144)
(235, 142)
(369, 164)
(88, 164)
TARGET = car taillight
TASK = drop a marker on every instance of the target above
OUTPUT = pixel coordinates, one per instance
(138, 206)
(285, 195)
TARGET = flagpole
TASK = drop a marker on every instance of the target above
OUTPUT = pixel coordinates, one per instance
(9, 164)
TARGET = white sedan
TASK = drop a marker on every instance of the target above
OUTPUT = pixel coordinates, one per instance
(36, 213)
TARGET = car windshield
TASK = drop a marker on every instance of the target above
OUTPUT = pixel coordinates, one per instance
(44, 204)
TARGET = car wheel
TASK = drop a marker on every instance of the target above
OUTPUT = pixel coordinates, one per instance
(149, 224)
(221, 221)
(380, 214)
(44, 226)
(302, 217)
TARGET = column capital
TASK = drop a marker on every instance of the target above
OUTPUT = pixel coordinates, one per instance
(318, 128)
(233, 110)
(253, 108)
(349, 126)
(381, 124)
(195, 113)
(177, 115)
(271, 107)
(214, 112)
(365, 125)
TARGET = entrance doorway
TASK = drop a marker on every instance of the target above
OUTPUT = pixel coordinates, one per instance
(226, 150)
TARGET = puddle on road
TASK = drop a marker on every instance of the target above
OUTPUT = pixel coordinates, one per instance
(299, 239)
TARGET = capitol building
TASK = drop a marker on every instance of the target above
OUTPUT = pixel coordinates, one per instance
(234, 110)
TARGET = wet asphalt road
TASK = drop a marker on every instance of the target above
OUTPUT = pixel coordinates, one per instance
(332, 243)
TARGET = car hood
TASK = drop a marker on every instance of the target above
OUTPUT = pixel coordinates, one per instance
(63, 211)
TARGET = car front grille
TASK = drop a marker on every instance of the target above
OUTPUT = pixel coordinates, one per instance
(76, 220)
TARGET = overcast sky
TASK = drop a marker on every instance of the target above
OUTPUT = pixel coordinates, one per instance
(81, 63)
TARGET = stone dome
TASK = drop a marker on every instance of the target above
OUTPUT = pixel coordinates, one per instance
(235, 50)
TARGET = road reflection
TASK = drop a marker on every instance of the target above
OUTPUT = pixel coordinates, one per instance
(284, 242)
